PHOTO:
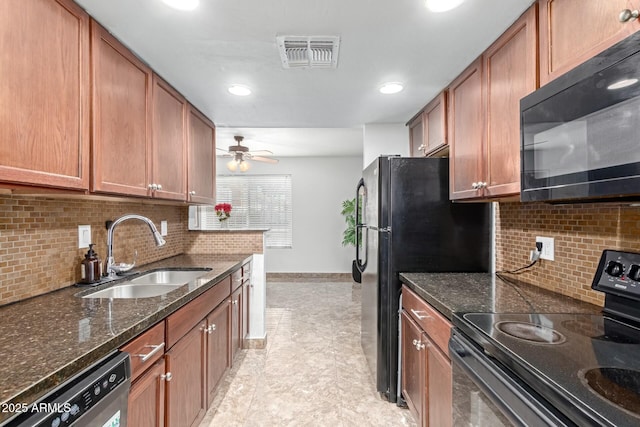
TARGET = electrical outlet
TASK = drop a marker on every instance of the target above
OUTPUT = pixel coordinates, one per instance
(84, 236)
(163, 228)
(547, 248)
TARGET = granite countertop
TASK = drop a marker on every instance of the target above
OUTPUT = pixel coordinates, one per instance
(47, 339)
(483, 292)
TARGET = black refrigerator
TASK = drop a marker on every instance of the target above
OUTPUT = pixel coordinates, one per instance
(408, 224)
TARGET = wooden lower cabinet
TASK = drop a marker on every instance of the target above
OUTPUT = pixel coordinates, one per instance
(146, 398)
(413, 368)
(219, 322)
(186, 400)
(246, 292)
(439, 390)
(426, 367)
(236, 323)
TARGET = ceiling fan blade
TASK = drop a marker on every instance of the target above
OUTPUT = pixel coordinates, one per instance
(264, 159)
(261, 153)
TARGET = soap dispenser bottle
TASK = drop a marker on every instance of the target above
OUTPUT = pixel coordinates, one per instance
(90, 270)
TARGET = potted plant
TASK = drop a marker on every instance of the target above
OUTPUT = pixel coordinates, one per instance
(349, 234)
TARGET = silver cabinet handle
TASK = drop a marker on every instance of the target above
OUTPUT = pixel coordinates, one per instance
(159, 187)
(235, 302)
(152, 187)
(627, 15)
(203, 328)
(192, 193)
(418, 345)
(211, 328)
(475, 185)
(482, 185)
(167, 377)
(156, 348)
(415, 313)
(422, 147)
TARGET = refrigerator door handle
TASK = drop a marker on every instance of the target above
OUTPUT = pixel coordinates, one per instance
(359, 226)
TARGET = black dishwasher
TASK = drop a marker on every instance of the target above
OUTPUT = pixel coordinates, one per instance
(95, 397)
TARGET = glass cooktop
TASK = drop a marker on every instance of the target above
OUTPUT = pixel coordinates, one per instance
(576, 361)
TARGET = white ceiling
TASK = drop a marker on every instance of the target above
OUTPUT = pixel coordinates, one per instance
(306, 111)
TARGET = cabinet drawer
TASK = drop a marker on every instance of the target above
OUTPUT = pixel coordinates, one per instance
(145, 349)
(428, 318)
(183, 320)
(236, 280)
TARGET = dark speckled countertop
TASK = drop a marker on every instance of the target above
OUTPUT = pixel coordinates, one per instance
(47, 339)
(484, 292)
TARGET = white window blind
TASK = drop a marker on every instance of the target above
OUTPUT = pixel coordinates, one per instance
(257, 201)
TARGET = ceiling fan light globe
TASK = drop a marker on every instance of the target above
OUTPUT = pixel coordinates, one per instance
(232, 165)
(244, 166)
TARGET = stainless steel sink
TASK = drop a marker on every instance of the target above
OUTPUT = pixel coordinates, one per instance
(148, 285)
(167, 277)
(128, 290)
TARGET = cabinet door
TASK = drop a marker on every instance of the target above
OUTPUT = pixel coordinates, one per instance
(121, 117)
(572, 31)
(413, 368)
(435, 126)
(44, 113)
(416, 136)
(466, 132)
(236, 323)
(510, 72)
(217, 346)
(439, 391)
(146, 398)
(246, 292)
(186, 400)
(169, 145)
(202, 158)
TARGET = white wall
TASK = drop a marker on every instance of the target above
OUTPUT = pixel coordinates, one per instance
(383, 139)
(319, 185)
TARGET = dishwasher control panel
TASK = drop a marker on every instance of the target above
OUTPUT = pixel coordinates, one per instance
(82, 397)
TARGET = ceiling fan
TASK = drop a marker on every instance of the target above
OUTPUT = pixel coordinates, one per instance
(240, 154)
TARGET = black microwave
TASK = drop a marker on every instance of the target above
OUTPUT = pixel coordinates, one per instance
(580, 133)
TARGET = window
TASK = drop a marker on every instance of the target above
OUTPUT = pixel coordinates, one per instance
(258, 201)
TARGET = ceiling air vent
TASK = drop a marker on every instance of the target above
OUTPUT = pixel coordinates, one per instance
(308, 51)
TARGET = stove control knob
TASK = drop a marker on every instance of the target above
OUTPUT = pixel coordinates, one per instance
(615, 269)
(634, 272)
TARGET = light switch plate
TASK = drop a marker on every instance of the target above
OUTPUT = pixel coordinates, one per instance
(548, 248)
(163, 228)
(84, 236)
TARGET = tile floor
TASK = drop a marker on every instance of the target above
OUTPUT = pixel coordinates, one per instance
(313, 371)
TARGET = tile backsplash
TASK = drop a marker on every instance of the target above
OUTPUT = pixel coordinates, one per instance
(581, 233)
(39, 239)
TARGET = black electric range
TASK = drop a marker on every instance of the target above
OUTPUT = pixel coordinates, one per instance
(579, 369)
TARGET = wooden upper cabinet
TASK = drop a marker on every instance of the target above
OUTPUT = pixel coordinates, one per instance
(428, 129)
(169, 142)
(121, 117)
(484, 114)
(202, 157)
(416, 136)
(510, 73)
(44, 113)
(572, 31)
(466, 132)
(435, 124)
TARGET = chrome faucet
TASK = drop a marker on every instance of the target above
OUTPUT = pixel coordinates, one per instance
(110, 269)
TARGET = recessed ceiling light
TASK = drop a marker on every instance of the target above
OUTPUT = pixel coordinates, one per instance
(239, 90)
(622, 83)
(182, 4)
(442, 5)
(391, 87)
